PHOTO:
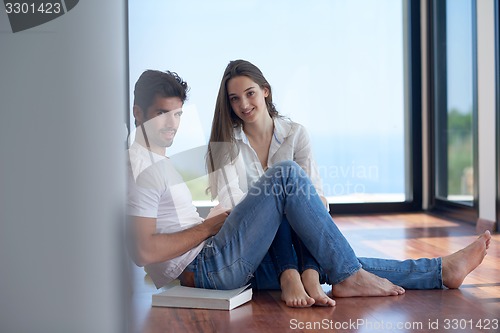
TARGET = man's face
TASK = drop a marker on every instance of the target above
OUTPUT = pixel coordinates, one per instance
(161, 121)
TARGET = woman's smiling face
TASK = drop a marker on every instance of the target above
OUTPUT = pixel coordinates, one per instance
(247, 98)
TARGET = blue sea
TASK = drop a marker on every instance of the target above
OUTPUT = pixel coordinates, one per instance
(348, 165)
(361, 164)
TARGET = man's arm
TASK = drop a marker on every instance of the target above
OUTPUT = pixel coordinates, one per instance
(150, 247)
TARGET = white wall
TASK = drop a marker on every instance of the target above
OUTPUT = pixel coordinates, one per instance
(486, 108)
(62, 100)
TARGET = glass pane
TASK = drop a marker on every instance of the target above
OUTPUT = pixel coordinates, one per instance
(457, 128)
(335, 66)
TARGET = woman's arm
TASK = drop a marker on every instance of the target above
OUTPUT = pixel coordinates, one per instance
(229, 178)
(303, 156)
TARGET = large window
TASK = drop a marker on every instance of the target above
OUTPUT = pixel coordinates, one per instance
(339, 67)
(454, 103)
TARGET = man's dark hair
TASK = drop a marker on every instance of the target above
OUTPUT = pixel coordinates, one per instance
(154, 83)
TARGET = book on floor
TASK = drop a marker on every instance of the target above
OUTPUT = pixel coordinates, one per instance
(186, 297)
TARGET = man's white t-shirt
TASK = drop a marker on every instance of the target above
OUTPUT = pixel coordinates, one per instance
(157, 190)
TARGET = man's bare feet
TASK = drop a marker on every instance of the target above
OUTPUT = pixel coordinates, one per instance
(458, 265)
(363, 283)
(310, 280)
(292, 290)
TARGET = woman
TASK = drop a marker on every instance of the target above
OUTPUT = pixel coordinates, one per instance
(248, 129)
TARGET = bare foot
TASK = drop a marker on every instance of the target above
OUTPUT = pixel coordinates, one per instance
(458, 265)
(363, 283)
(292, 290)
(310, 280)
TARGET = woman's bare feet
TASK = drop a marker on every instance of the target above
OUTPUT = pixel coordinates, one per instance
(310, 280)
(292, 290)
(363, 283)
(458, 265)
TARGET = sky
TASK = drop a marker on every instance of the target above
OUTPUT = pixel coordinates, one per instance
(459, 54)
(331, 63)
(335, 66)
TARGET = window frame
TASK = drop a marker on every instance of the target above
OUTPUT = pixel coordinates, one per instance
(437, 101)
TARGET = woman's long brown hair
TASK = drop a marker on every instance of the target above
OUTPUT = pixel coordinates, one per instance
(222, 147)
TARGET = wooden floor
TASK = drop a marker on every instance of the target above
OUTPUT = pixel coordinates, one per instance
(475, 307)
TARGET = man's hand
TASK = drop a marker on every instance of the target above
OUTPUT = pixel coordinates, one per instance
(214, 223)
(149, 247)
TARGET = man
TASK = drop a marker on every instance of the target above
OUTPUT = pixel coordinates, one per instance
(159, 98)
(226, 250)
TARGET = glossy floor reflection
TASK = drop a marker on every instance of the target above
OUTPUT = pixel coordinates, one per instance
(475, 307)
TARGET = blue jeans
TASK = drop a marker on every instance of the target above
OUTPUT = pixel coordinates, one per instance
(288, 252)
(234, 256)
